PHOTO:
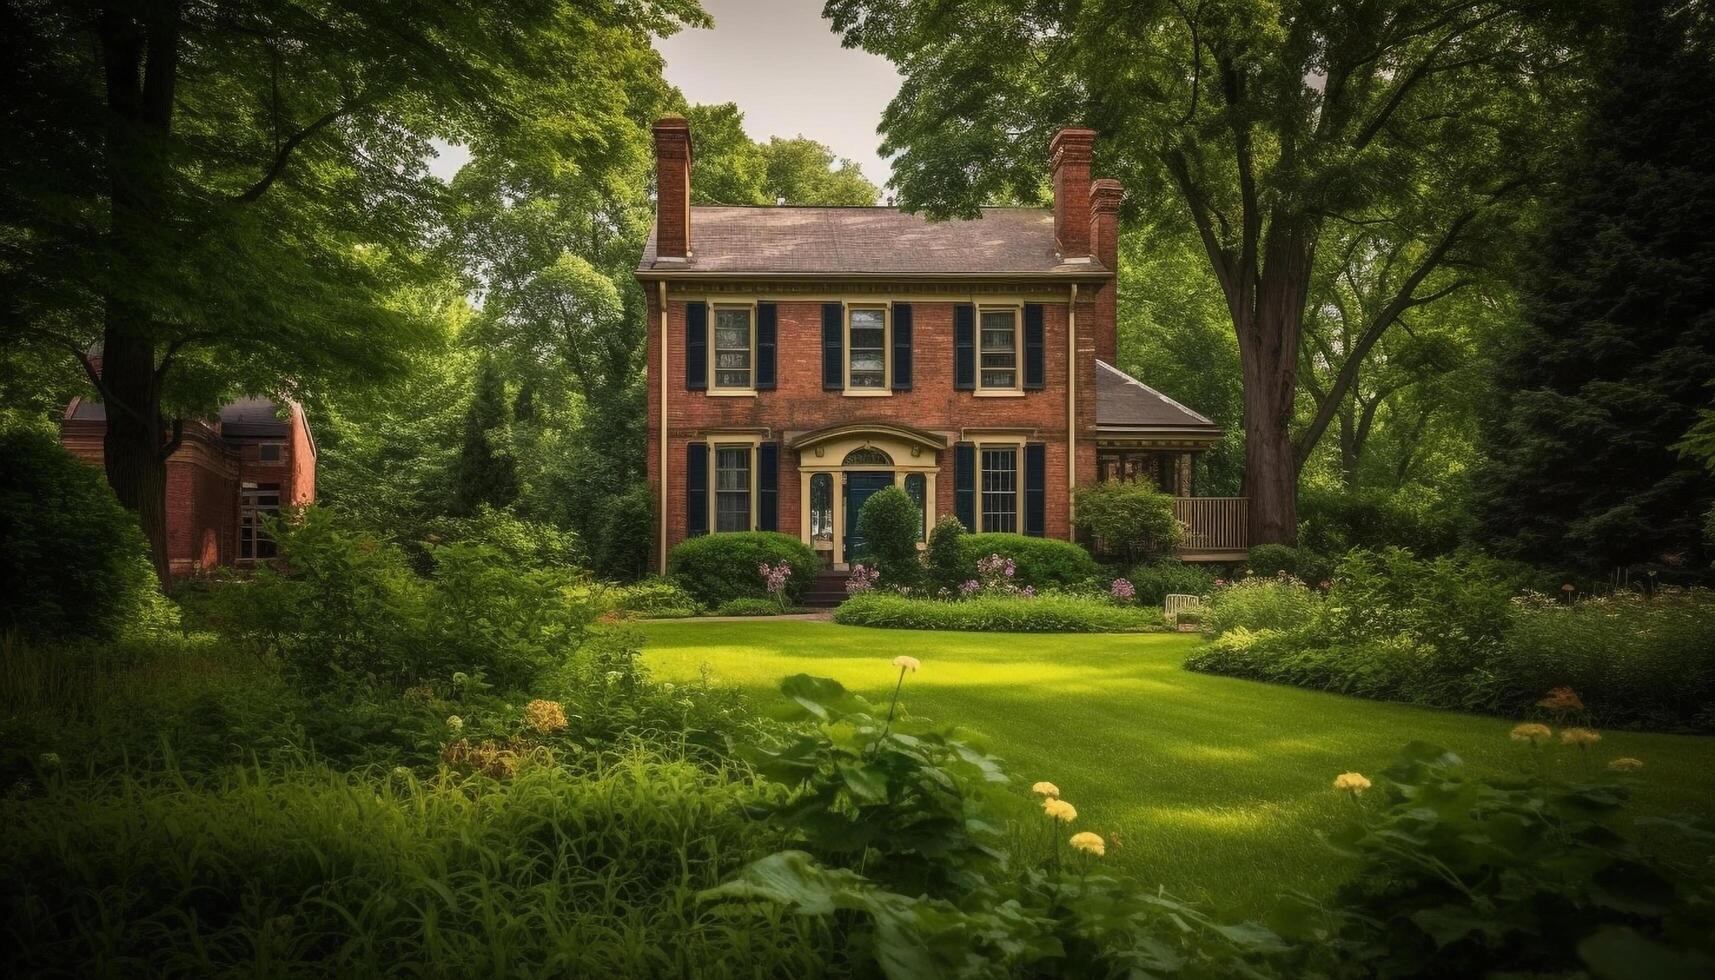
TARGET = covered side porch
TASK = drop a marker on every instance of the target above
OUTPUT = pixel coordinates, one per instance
(1142, 434)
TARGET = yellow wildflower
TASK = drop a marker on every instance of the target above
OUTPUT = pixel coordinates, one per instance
(1060, 810)
(907, 663)
(1532, 732)
(1626, 764)
(1351, 782)
(1580, 737)
(1045, 789)
(545, 716)
(1090, 843)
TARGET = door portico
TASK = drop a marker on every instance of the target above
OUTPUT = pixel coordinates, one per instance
(841, 466)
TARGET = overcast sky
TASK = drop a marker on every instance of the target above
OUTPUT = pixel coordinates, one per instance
(783, 65)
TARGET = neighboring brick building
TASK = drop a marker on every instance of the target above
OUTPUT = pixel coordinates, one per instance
(227, 474)
(807, 356)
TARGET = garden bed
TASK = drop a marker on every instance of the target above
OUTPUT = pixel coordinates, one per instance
(999, 614)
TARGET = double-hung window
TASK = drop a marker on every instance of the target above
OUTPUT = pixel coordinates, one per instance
(1000, 488)
(732, 488)
(998, 348)
(734, 348)
(866, 345)
(258, 503)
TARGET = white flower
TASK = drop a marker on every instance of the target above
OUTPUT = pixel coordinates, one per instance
(907, 663)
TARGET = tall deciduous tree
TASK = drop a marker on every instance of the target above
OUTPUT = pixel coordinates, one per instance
(1256, 122)
(731, 168)
(226, 196)
(1608, 375)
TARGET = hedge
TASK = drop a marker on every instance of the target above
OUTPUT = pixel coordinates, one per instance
(1043, 563)
(997, 614)
(716, 568)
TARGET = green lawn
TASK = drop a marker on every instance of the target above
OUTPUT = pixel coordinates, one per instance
(1214, 786)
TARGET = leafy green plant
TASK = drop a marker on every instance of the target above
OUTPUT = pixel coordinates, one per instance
(1637, 660)
(748, 607)
(1269, 560)
(525, 543)
(889, 522)
(717, 567)
(1131, 520)
(655, 597)
(1156, 580)
(1256, 603)
(1042, 563)
(1046, 613)
(72, 560)
(945, 554)
(1459, 876)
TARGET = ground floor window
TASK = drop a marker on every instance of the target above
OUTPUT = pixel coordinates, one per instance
(916, 487)
(822, 507)
(259, 502)
(732, 488)
(1000, 489)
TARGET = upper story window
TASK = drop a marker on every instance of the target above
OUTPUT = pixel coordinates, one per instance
(998, 348)
(866, 345)
(735, 344)
(269, 452)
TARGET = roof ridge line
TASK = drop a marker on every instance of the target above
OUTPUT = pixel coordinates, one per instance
(1166, 398)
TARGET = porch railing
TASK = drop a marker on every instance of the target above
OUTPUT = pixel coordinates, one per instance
(1213, 523)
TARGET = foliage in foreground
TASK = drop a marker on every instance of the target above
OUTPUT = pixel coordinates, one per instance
(1050, 613)
(1449, 633)
(716, 568)
(72, 561)
(308, 871)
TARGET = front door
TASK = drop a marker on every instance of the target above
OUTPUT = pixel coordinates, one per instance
(859, 488)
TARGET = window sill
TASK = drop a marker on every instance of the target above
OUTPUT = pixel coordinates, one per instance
(867, 392)
(998, 393)
(731, 392)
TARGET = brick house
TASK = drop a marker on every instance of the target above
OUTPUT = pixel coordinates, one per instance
(800, 358)
(226, 475)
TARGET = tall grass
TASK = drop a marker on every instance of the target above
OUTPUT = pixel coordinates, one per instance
(307, 871)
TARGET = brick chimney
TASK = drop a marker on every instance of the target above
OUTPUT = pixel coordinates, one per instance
(673, 189)
(1105, 197)
(1070, 156)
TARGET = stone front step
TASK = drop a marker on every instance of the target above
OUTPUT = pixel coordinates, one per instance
(827, 591)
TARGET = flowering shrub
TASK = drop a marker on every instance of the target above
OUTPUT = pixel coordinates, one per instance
(774, 579)
(1040, 562)
(1122, 590)
(714, 567)
(862, 579)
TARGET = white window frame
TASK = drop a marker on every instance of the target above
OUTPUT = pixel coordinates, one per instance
(886, 388)
(1018, 463)
(1016, 311)
(714, 387)
(750, 448)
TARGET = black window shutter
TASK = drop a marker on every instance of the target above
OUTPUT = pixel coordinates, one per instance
(766, 320)
(696, 489)
(1035, 488)
(902, 347)
(965, 484)
(696, 346)
(964, 347)
(768, 487)
(1034, 374)
(833, 346)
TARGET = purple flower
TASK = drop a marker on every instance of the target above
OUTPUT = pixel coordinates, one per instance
(970, 588)
(1122, 590)
(862, 579)
(1029, 592)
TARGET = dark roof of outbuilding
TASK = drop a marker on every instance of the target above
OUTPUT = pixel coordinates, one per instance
(869, 241)
(1124, 402)
(244, 417)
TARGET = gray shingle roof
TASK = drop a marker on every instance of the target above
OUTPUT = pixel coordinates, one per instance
(1124, 402)
(869, 241)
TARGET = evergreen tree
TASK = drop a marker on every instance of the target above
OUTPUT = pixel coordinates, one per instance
(1607, 375)
(486, 473)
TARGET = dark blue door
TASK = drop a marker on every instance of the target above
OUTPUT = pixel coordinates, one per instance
(859, 488)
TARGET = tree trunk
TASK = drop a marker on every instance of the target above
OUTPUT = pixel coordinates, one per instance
(140, 62)
(1269, 336)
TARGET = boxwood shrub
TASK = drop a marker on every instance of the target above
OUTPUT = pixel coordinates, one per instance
(716, 568)
(1156, 580)
(1043, 563)
(997, 614)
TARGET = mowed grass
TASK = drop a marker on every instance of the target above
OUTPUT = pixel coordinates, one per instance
(1214, 787)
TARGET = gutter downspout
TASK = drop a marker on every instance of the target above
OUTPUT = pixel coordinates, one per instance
(1071, 413)
(661, 293)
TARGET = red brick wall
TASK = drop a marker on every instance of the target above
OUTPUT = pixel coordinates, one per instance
(302, 454)
(202, 508)
(799, 404)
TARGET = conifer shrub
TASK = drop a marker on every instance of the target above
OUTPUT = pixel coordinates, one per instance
(889, 522)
